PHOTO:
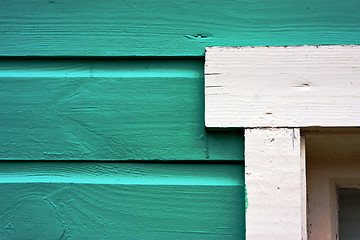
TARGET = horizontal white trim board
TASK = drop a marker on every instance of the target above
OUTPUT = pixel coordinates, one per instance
(293, 86)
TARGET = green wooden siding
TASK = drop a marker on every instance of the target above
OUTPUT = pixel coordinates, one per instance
(108, 109)
(123, 81)
(69, 200)
(170, 28)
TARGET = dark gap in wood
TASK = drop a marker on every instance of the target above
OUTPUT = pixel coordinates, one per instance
(219, 162)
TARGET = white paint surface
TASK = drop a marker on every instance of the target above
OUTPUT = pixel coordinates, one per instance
(303, 189)
(272, 92)
(273, 175)
(295, 86)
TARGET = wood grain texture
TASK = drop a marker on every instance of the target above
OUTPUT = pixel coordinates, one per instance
(296, 86)
(170, 28)
(108, 109)
(66, 200)
(273, 174)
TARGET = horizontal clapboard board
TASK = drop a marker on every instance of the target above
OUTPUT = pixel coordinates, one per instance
(107, 109)
(63, 200)
(295, 86)
(169, 28)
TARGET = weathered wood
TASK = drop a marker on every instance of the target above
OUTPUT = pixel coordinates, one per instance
(273, 175)
(108, 109)
(295, 86)
(121, 201)
(170, 28)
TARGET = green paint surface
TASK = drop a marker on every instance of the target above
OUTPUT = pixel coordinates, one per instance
(78, 108)
(170, 28)
(88, 200)
(108, 109)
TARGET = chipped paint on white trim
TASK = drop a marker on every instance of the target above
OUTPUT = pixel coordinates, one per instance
(272, 92)
(273, 176)
(294, 86)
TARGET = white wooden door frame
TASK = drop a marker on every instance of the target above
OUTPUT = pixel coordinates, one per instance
(273, 92)
(332, 162)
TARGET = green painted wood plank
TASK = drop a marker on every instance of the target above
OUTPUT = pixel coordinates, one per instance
(108, 109)
(170, 28)
(53, 200)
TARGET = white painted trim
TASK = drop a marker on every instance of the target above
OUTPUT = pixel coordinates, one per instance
(303, 189)
(332, 162)
(295, 86)
(273, 176)
(272, 92)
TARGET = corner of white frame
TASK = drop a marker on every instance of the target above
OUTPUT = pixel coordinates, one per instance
(273, 92)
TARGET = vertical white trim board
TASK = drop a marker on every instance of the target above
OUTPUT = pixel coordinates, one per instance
(273, 177)
(294, 86)
(303, 189)
(272, 92)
